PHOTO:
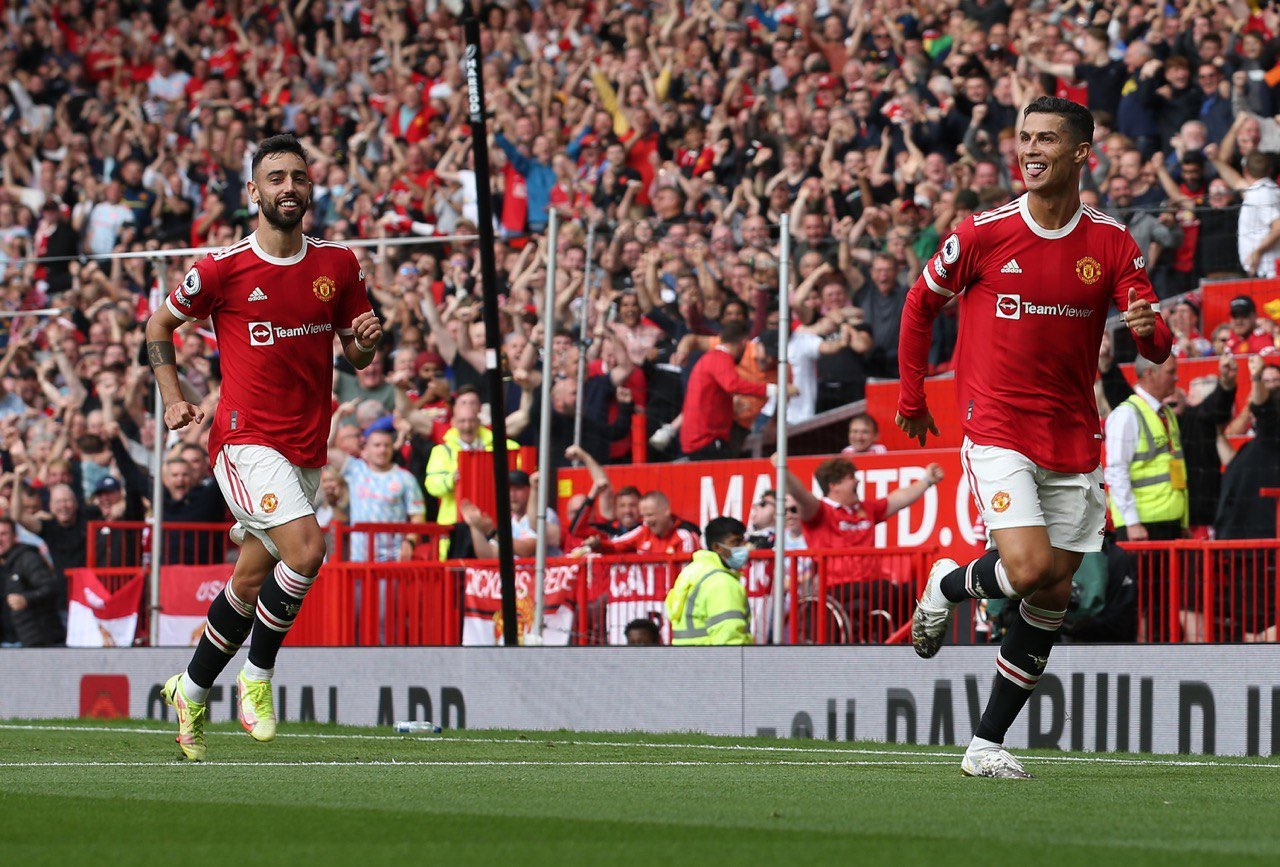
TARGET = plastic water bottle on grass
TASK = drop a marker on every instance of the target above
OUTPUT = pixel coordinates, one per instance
(409, 727)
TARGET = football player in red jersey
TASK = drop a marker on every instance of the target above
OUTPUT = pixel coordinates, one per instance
(1035, 279)
(275, 299)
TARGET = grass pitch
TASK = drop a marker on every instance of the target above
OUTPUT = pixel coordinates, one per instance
(78, 792)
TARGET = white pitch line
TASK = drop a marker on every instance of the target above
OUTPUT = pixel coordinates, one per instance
(814, 750)
(462, 764)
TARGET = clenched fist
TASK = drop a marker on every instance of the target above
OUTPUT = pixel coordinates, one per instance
(179, 415)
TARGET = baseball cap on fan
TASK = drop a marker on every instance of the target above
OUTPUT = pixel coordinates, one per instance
(106, 485)
(1242, 305)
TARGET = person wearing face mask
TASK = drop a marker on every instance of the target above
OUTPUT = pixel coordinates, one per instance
(708, 603)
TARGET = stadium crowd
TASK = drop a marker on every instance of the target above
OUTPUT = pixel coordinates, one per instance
(675, 134)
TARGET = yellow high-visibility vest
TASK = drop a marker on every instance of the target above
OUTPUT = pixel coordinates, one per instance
(708, 604)
(1157, 472)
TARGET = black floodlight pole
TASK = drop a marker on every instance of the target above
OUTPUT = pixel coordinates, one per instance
(473, 65)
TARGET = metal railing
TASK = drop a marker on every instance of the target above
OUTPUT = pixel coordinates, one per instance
(1184, 591)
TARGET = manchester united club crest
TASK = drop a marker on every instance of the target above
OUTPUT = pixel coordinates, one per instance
(269, 503)
(1088, 270)
(1000, 502)
(524, 620)
(324, 287)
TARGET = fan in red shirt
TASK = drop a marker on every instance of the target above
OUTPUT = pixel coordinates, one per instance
(660, 532)
(1035, 281)
(708, 399)
(841, 520)
(276, 299)
(1246, 337)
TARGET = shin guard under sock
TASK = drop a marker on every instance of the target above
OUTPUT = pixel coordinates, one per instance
(225, 628)
(1024, 653)
(279, 601)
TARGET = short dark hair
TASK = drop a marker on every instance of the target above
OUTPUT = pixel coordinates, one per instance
(647, 626)
(1257, 164)
(1079, 121)
(735, 301)
(277, 144)
(734, 331)
(769, 340)
(718, 530)
(967, 199)
(832, 471)
(627, 491)
(868, 418)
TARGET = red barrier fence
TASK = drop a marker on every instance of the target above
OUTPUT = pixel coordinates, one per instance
(1186, 591)
(380, 604)
(117, 544)
(427, 548)
(1193, 590)
(843, 597)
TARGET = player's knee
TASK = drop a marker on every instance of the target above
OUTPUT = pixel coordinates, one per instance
(302, 547)
(306, 559)
(1028, 571)
(246, 587)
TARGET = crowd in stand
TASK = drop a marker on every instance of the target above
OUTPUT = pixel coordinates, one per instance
(674, 134)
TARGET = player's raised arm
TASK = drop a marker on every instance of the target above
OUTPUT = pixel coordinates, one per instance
(1136, 300)
(178, 411)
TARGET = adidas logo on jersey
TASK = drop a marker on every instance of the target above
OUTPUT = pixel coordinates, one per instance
(257, 294)
(1011, 267)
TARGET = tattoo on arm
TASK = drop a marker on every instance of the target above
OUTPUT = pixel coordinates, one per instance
(161, 353)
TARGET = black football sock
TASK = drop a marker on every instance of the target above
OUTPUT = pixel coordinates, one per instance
(984, 578)
(279, 601)
(1024, 653)
(225, 629)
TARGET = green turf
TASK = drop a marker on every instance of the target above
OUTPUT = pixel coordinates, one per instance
(519, 798)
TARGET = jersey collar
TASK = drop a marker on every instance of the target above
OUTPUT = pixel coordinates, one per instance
(1024, 208)
(276, 260)
(842, 508)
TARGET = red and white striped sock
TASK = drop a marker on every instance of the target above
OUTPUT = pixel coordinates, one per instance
(226, 626)
(1024, 653)
(279, 601)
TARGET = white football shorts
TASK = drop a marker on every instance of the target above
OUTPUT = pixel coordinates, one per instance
(263, 489)
(1012, 491)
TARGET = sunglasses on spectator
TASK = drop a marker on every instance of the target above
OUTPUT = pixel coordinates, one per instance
(793, 510)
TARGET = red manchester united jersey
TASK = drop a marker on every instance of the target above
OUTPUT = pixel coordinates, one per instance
(1033, 306)
(837, 526)
(642, 540)
(275, 320)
